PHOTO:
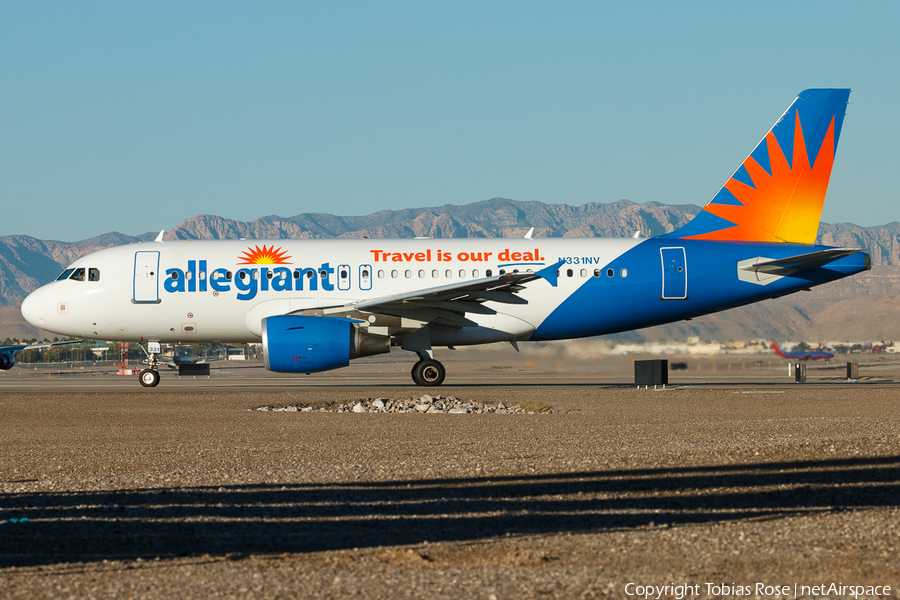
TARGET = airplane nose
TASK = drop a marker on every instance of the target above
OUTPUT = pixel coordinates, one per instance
(33, 308)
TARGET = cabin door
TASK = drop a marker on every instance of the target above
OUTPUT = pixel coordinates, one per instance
(674, 274)
(146, 278)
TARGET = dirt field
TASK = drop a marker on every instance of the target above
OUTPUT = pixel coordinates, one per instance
(735, 476)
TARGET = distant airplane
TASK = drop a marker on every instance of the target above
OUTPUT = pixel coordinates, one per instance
(8, 353)
(800, 355)
(317, 304)
(176, 360)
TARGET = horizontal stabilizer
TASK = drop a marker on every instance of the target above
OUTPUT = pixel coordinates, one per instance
(786, 266)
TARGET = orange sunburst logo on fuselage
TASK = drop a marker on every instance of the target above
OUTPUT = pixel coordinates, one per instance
(782, 207)
(264, 256)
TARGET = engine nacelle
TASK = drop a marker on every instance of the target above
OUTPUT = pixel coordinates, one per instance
(302, 344)
(7, 361)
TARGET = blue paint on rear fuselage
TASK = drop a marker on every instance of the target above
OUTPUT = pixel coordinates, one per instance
(606, 304)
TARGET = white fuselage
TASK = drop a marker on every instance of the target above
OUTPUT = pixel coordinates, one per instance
(219, 291)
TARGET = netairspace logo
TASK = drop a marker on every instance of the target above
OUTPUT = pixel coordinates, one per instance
(761, 590)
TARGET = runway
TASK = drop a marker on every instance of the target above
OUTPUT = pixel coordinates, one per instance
(737, 477)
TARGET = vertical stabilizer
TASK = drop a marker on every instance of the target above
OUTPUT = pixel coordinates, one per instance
(777, 193)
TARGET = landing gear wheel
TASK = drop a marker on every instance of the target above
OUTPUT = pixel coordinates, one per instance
(149, 378)
(428, 372)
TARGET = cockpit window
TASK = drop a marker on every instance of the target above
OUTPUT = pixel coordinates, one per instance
(93, 274)
(78, 275)
(65, 274)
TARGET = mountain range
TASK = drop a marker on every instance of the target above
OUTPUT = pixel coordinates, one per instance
(828, 312)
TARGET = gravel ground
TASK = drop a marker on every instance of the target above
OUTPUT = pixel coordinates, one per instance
(181, 494)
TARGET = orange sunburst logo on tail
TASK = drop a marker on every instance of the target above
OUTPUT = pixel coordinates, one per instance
(264, 256)
(782, 207)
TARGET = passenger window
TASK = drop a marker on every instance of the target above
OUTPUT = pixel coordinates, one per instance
(310, 274)
(323, 274)
(394, 274)
(596, 272)
(421, 273)
(624, 272)
(65, 274)
(489, 273)
(462, 273)
(228, 275)
(568, 272)
(175, 275)
(407, 273)
(93, 274)
(584, 272)
(380, 274)
(435, 274)
(610, 273)
(449, 274)
(474, 272)
(296, 274)
(365, 273)
(78, 275)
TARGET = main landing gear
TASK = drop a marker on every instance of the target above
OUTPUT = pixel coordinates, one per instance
(149, 377)
(428, 372)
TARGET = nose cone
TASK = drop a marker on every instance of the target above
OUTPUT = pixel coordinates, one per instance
(34, 307)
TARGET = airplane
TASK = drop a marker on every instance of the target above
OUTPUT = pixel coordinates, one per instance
(800, 355)
(176, 360)
(8, 354)
(315, 305)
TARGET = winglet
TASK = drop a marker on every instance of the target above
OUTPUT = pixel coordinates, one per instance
(159, 237)
(550, 273)
(529, 234)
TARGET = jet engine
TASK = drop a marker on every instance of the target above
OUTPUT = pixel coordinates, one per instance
(304, 344)
(7, 361)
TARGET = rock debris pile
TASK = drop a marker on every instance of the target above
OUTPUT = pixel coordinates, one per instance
(423, 404)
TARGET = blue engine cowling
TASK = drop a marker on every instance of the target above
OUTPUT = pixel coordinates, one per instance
(307, 344)
(7, 360)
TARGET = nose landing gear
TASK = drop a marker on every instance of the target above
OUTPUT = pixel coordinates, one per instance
(149, 377)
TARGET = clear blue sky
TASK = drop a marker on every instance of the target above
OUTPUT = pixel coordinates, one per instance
(131, 117)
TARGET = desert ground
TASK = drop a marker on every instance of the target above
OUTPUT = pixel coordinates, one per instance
(734, 476)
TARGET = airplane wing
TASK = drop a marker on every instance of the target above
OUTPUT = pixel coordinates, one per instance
(448, 304)
(8, 353)
(786, 266)
(18, 348)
